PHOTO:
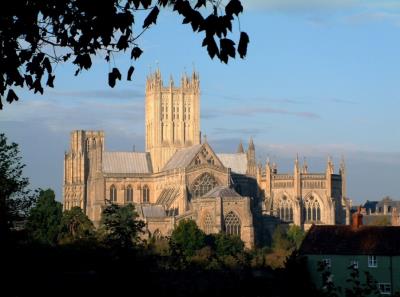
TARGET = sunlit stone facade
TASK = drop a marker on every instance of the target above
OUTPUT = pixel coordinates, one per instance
(179, 176)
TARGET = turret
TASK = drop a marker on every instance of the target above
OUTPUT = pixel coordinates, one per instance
(251, 158)
(172, 117)
(83, 160)
(305, 166)
(297, 177)
(328, 173)
(240, 149)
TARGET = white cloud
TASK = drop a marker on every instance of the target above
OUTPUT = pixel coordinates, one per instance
(300, 5)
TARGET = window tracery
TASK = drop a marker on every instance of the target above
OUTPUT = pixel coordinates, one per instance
(113, 194)
(285, 210)
(232, 224)
(129, 194)
(208, 224)
(203, 184)
(311, 210)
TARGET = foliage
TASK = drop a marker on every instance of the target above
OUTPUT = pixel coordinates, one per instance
(360, 289)
(119, 227)
(33, 41)
(187, 238)
(44, 220)
(285, 241)
(226, 245)
(15, 199)
(75, 225)
(328, 289)
(280, 239)
(295, 236)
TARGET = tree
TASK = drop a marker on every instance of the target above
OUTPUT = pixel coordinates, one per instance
(36, 35)
(187, 238)
(357, 288)
(280, 239)
(119, 226)
(15, 198)
(45, 218)
(295, 236)
(75, 226)
(227, 245)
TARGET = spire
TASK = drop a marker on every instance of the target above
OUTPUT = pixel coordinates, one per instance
(205, 138)
(171, 81)
(296, 163)
(342, 165)
(305, 165)
(240, 148)
(329, 165)
(251, 144)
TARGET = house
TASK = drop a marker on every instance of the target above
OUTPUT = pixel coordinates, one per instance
(375, 249)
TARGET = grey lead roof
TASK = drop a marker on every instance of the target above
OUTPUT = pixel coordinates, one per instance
(221, 191)
(182, 157)
(236, 162)
(126, 162)
(151, 211)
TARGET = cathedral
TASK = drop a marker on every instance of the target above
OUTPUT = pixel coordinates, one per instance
(179, 176)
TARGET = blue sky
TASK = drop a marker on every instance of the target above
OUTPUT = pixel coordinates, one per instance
(321, 78)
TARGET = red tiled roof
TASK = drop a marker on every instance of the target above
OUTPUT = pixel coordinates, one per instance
(347, 240)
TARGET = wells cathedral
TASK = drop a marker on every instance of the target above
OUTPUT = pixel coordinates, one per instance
(179, 176)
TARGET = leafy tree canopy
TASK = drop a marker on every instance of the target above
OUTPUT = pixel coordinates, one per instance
(15, 198)
(120, 227)
(44, 220)
(226, 245)
(187, 238)
(75, 225)
(36, 35)
(295, 236)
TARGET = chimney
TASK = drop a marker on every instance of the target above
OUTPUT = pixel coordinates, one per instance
(357, 218)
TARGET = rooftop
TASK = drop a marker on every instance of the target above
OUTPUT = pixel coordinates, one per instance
(348, 240)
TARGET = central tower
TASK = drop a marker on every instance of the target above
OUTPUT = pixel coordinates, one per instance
(172, 116)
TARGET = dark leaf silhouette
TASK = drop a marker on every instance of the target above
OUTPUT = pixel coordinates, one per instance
(116, 73)
(233, 7)
(243, 42)
(200, 3)
(47, 65)
(130, 72)
(227, 49)
(50, 81)
(212, 47)
(55, 32)
(152, 17)
(111, 79)
(136, 52)
(11, 96)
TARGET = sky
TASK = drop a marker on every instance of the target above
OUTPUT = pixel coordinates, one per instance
(321, 78)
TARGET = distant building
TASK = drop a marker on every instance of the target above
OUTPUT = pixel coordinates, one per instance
(180, 176)
(375, 249)
(383, 212)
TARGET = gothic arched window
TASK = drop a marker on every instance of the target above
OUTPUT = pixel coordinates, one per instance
(129, 194)
(203, 184)
(285, 210)
(311, 210)
(113, 194)
(208, 224)
(232, 224)
(146, 194)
